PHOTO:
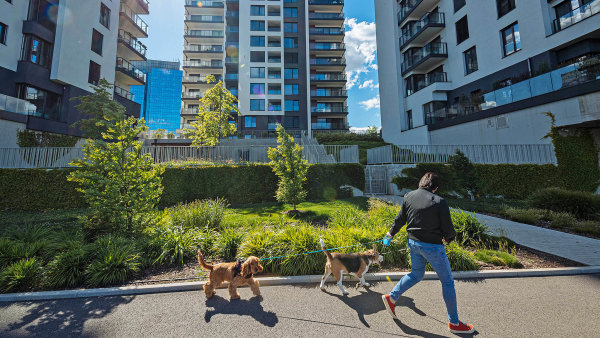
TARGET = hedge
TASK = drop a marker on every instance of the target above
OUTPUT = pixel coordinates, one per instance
(40, 189)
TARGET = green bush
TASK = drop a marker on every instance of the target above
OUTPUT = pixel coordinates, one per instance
(175, 243)
(514, 181)
(228, 242)
(498, 258)
(528, 216)
(587, 227)
(324, 180)
(199, 214)
(460, 259)
(114, 261)
(67, 269)
(562, 220)
(583, 205)
(347, 216)
(327, 138)
(24, 275)
(412, 176)
(469, 231)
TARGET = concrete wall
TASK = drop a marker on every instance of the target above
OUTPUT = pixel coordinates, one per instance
(8, 130)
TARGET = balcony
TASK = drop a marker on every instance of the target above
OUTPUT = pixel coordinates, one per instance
(328, 64)
(132, 23)
(123, 93)
(327, 31)
(325, 94)
(204, 21)
(328, 79)
(130, 48)
(576, 16)
(415, 9)
(329, 110)
(127, 74)
(204, 36)
(329, 126)
(189, 111)
(335, 49)
(329, 19)
(430, 56)
(195, 96)
(206, 50)
(232, 61)
(195, 81)
(17, 106)
(428, 80)
(423, 30)
(202, 5)
(213, 64)
(232, 76)
(326, 5)
(138, 6)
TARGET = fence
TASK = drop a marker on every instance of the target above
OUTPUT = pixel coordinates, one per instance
(484, 154)
(25, 158)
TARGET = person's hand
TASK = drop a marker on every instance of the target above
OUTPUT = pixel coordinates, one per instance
(387, 240)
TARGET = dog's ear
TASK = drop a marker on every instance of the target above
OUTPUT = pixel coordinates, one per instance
(246, 268)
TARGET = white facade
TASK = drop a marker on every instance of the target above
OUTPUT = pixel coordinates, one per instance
(13, 16)
(538, 43)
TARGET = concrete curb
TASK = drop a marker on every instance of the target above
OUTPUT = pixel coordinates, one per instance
(291, 280)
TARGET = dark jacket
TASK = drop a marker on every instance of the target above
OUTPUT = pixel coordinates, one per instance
(427, 217)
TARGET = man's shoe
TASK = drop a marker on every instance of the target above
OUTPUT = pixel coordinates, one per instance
(389, 305)
(461, 328)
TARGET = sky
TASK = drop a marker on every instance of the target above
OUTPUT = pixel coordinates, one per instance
(165, 42)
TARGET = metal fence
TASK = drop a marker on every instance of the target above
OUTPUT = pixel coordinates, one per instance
(24, 158)
(484, 154)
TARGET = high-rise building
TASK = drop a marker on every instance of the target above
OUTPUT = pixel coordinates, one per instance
(485, 72)
(52, 51)
(160, 98)
(283, 59)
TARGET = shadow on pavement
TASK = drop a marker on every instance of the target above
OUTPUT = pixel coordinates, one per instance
(366, 303)
(241, 307)
(60, 318)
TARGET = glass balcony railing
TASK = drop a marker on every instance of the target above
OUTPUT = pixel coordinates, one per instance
(329, 126)
(205, 33)
(427, 81)
(204, 64)
(125, 67)
(576, 15)
(134, 17)
(198, 79)
(327, 31)
(203, 49)
(428, 20)
(205, 18)
(328, 77)
(329, 109)
(17, 106)
(325, 2)
(205, 4)
(405, 10)
(326, 16)
(191, 95)
(327, 46)
(123, 93)
(329, 93)
(328, 61)
(272, 126)
(275, 107)
(132, 42)
(189, 111)
(232, 76)
(431, 49)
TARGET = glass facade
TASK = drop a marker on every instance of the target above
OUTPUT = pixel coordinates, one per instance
(160, 98)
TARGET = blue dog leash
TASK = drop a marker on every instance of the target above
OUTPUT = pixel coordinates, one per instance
(312, 252)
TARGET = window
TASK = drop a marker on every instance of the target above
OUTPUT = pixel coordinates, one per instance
(511, 39)
(257, 104)
(291, 58)
(290, 1)
(257, 88)
(256, 10)
(290, 27)
(273, 121)
(290, 12)
(291, 89)
(409, 120)
(105, 16)
(257, 41)
(291, 73)
(94, 74)
(257, 72)
(44, 104)
(250, 121)
(458, 4)
(257, 25)
(290, 43)
(97, 40)
(274, 74)
(470, 60)
(3, 30)
(36, 50)
(292, 105)
(462, 30)
(257, 56)
(504, 6)
(291, 122)
(38, 12)
(274, 89)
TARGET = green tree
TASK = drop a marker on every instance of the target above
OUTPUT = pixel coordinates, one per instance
(217, 106)
(170, 136)
(465, 172)
(290, 166)
(160, 133)
(371, 131)
(103, 112)
(120, 183)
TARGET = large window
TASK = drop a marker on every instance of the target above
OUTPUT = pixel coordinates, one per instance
(257, 88)
(256, 25)
(462, 30)
(291, 58)
(470, 60)
(3, 30)
(409, 120)
(105, 16)
(97, 40)
(290, 12)
(504, 6)
(511, 39)
(37, 51)
(257, 56)
(291, 122)
(458, 4)
(257, 41)
(291, 73)
(47, 105)
(291, 89)
(94, 73)
(290, 27)
(257, 105)
(290, 43)
(38, 12)
(257, 10)
(292, 105)
(257, 72)
(249, 121)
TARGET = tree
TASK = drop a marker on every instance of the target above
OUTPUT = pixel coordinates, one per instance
(371, 131)
(170, 136)
(465, 172)
(159, 133)
(290, 166)
(100, 108)
(120, 183)
(217, 106)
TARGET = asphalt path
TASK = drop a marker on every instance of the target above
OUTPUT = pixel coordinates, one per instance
(508, 307)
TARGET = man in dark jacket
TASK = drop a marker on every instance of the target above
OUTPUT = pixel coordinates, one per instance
(429, 225)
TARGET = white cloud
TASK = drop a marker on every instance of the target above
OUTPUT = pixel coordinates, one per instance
(368, 84)
(361, 49)
(371, 103)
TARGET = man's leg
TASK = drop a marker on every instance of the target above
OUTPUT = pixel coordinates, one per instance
(418, 263)
(436, 255)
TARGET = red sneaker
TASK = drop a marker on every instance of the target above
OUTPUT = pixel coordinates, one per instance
(389, 305)
(461, 328)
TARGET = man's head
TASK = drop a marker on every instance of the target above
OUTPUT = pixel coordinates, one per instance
(430, 181)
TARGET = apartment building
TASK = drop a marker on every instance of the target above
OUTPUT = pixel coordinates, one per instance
(485, 72)
(283, 59)
(54, 50)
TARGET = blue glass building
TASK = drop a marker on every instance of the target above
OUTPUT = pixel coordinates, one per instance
(160, 98)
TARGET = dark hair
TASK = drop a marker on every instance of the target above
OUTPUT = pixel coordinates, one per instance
(429, 181)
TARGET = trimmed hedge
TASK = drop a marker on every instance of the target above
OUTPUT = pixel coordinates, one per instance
(40, 189)
(584, 205)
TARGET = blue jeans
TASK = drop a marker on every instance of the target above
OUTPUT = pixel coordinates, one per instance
(435, 254)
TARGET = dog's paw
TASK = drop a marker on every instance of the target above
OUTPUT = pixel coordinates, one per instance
(345, 293)
(366, 285)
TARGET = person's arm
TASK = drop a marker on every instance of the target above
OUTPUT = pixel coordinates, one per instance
(399, 221)
(446, 222)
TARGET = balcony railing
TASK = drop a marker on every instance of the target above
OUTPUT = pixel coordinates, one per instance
(326, 16)
(205, 4)
(130, 40)
(427, 81)
(127, 68)
(328, 77)
(576, 15)
(203, 64)
(328, 93)
(205, 18)
(430, 19)
(325, 2)
(232, 76)
(191, 95)
(274, 107)
(327, 31)
(327, 45)
(189, 111)
(205, 33)
(198, 79)
(329, 109)
(329, 126)
(17, 106)
(431, 49)
(134, 17)
(328, 61)
(123, 93)
(203, 49)
(405, 10)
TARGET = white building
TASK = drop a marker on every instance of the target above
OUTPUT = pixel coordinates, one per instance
(484, 72)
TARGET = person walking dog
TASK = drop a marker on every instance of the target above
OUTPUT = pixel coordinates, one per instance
(428, 222)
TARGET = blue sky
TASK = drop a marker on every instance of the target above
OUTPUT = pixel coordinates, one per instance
(166, 43)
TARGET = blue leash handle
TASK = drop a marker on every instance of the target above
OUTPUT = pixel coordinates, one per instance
(312, 252)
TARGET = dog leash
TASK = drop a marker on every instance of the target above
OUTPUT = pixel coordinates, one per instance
(317, 251)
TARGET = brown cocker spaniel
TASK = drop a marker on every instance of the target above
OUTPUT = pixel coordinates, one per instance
(237, 274)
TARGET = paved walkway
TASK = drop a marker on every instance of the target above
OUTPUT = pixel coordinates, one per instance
(576, 248)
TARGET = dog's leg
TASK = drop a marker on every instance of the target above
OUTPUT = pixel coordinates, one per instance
(325, 276)
(339, 283)
(233, 294)
(209, 289)
(254, 286)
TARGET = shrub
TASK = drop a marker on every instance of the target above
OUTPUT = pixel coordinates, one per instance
(581, 204)
(469, 231)
(562, 220)
(460, 259)
(347, 216)
(524, 178)
(24, 275)
(326, 138)
(199, 214)
(498, 258)
(587, 227)
(528, 216)
(412, 176)
(228, 242)
(67, 269)
(294, 240)
(175, 243)
(465, 172)
(114, 260)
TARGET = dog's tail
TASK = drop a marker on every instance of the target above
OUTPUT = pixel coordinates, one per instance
(203, 263)
(327, 253)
